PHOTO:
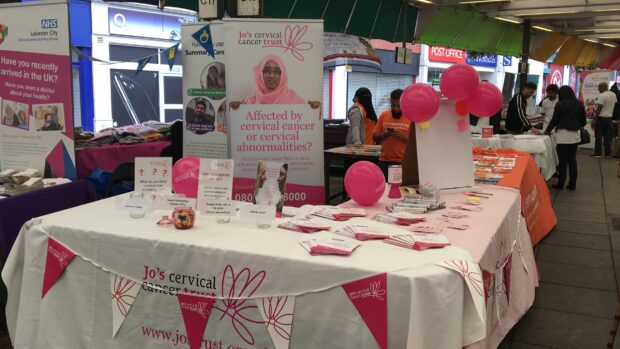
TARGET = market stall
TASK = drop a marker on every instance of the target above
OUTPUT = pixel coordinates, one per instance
(263, 264)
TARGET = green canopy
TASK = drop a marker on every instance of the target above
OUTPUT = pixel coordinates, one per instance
(375, 19)
(472, 31)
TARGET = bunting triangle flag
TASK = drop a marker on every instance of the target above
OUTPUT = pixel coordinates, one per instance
(474, 279)
(507, 272)
(171, 55)
(195, 310)
(124, 293)
(204, 38)
(487, 280)
(58, 257)
(369, 296)
(141, 64)
(277, 313)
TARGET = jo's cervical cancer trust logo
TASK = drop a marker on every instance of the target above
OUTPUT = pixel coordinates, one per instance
(4, 32)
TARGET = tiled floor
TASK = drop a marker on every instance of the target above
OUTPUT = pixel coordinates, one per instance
(579, 264)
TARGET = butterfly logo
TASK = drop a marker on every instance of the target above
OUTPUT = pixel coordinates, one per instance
(236, 289)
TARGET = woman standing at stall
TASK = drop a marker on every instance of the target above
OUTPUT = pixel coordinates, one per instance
(569, 116)
(362, 118)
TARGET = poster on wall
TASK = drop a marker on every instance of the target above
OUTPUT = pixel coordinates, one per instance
(588, 92)
(35, 89)
(588, 88)
(274, 88)
(555, 76)
(204, 91)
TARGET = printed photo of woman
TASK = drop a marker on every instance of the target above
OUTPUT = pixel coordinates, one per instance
(271, 79)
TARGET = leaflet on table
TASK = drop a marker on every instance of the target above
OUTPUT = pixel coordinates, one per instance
(271, 184)
(258, 213)
(274, 94)
(329, 246)
(153, 175)
(215, 184)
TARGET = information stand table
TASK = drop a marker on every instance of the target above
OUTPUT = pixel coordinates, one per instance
(243, 266)
(542, 148)
(17, 210)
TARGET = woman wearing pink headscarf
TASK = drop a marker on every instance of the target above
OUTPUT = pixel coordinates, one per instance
(272, 85)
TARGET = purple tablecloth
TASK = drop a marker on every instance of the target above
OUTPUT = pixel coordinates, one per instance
(17, 210)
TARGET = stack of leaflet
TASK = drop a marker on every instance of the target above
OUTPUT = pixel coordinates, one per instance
(329, 246)
(16, 183)
(361, 232)
(490, 169)
(304, 225)
(418, 241)
(400, 218)
(416, 204)
(339, 213)
(6, 176)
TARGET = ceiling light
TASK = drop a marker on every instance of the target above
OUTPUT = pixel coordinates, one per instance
(508, 20)
(609, 45)
(550, 13)
(610, 37)
(590, 40)
(585, 30)
(607, 10)
(542, 28)
(480, 1)
(425, 1)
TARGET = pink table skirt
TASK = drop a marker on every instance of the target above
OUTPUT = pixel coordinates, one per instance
(109, 157)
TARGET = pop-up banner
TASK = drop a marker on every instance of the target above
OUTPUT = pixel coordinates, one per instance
(204, 91)
(35, 88)
(274, 92)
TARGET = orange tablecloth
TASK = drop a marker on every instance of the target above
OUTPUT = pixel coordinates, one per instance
(535, 198)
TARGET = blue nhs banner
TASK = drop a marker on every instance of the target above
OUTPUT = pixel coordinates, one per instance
(486, 60)
(506, 61)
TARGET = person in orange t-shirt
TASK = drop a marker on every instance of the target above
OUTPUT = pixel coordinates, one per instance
(392, 131)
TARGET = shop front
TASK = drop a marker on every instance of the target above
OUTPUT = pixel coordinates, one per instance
(122, 34)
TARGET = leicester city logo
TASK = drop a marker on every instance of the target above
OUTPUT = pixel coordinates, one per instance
(4, 32)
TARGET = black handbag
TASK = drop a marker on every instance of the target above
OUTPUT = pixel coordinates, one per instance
(585, 136)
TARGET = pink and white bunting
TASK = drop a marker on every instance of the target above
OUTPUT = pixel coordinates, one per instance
(58, 257)
(470, 271)
(124, 292)
(278, 315)
(369, 296)
(195, 311)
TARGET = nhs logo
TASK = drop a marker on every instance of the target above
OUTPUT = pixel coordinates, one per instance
(49, 23)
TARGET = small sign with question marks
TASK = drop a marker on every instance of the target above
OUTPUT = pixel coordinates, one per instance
(153, 175)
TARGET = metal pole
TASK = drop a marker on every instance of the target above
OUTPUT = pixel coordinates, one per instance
(525, 52)
(405, 22)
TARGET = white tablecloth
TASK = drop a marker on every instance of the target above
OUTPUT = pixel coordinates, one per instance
(542, 149)
(428, 306)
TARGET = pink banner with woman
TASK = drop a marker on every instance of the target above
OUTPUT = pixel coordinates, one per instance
(274, 89)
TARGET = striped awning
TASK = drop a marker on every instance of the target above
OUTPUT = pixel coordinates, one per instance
(471, 31)
(374, 19)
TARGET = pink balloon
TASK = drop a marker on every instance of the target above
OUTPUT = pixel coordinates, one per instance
(185, 176)
(419, 102)
(364, 182)
(459, 81)
(486, 101)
